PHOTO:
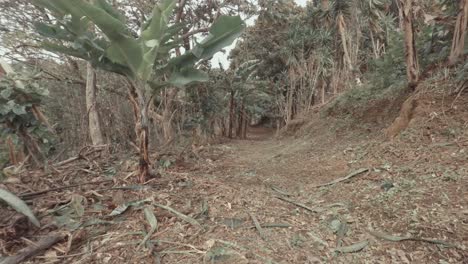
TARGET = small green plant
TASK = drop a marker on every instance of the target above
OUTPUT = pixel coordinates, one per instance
(20, 117)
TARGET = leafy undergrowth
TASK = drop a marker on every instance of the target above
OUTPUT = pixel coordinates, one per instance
(410, 205)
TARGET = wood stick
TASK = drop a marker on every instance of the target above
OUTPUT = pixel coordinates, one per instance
(300, 205)
(258, 226)
(349, 176)
(28, 195)
(33, 250)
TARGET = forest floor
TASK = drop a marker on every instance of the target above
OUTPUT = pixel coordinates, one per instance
(260, 200)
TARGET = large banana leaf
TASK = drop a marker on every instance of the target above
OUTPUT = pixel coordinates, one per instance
(19, 205)
(125, 46)
(151, 37)
(121, 51)
(222, 33)
(187, 76)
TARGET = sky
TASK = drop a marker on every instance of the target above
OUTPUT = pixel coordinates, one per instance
(221, 57)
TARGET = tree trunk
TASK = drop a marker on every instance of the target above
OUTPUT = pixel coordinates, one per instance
(142, 129)
(168, 129)
(11, 151)
(240, 122)
(244, 127)
(231, 115)
(342, 29)
(412, 65)
(93, 115)
(459, 35)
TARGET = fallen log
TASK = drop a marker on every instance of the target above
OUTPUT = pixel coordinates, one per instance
(34, 250)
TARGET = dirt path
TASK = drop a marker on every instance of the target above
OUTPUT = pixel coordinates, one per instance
(252, 174)
(411, 190)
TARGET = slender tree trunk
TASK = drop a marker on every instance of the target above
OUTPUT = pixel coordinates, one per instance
(93, 115)
(459, 35)
(11, 151)
(344, 41)
(412, 65)
(231, 115)
(240, 121)
(168, 128)
(401, 18)
(244, 127)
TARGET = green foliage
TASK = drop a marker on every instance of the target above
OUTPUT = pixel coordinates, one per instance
(19, 205)
(121, 51)
(19, 92)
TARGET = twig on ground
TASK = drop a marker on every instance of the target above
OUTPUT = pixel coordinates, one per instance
(409, 238)
(33, 250)
(273, 225)
(32, 194)
(349, 176)
(278, 190)
(257, 226)
(179, 214)
(313, 210)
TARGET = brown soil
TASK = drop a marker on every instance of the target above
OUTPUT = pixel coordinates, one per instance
(416, 186)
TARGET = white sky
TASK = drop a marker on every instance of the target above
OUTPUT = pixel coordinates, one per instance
(221, 57)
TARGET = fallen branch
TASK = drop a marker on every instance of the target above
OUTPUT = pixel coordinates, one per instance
(313, 210)
(351, 175)
(81, 154)
(33, 250)
(257, 226)
(32, 194)
(273, 225)
(409, 238)
(353, 248)
(179, 214)
(278, 190)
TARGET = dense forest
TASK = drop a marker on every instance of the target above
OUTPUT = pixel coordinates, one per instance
(233, 131)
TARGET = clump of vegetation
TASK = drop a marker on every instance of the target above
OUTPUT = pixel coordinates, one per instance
(24, 127)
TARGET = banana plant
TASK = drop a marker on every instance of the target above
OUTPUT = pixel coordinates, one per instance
(145, 58)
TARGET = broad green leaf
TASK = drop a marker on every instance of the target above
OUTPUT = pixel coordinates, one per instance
(52, 31)
(152, 35)
(51, 6)
(56, 48)
(128, 48)
(149, 215)
(223, 32)
(18, 204)
(110, 10)
(187, 76)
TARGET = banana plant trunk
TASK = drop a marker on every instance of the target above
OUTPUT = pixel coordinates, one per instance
(459, 35)
(412, 65)
(142, 129)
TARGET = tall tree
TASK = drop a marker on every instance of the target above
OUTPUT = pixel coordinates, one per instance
(341, 10)
(412, 64)
(459, 35)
